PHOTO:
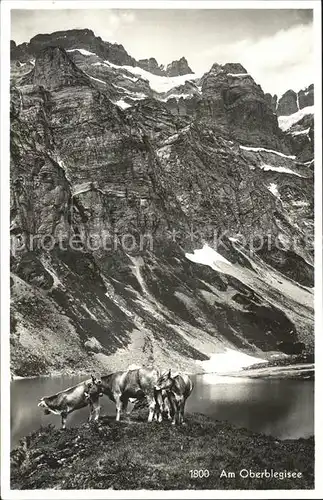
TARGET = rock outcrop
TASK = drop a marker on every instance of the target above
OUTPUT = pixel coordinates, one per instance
(291, 102)
(179, 67)
(287, 104)
(151, 65)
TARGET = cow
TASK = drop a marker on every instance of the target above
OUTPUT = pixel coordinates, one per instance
(79, 396)
(178, 388)
(131, 384)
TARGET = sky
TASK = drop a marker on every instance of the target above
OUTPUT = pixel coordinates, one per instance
(275, 46)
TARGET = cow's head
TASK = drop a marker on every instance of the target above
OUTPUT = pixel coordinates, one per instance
(42, 404)
(93, 390)
(97, 383)
(165, 381)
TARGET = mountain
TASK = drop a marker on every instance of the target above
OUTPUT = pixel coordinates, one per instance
(138, 202)
(295, 111)
(84, 38)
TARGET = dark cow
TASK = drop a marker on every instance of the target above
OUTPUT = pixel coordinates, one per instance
(84, 394)
(178, 388)
(124, 385)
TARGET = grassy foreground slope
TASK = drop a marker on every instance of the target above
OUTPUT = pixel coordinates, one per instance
(136, 455)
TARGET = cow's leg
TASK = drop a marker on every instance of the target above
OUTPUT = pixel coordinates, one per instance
(64, 417)
(173, 405)
(181, 411)
(176, 416)
(167, 408)
(94, 411)
(125, 402)
(158, 407)
(152, 406)
(118, 406)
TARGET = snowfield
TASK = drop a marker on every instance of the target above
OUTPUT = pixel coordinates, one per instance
(286, 122)
(229, 361)
(158, 83)
(122, 104)
(208, 257)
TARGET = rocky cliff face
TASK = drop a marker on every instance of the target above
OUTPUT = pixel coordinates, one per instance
(291, 102)
(295, 111)
(106, 150)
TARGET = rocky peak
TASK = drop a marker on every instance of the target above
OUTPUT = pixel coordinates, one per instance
(77, 34)
(151, 65)
(54, 69)
(287, 104)
(228, 68)
(271, 101)
(306, 97)
(85, 39)
(73, 39)
(235, 68)
(180, 67)
(291, 102)
(175, 68)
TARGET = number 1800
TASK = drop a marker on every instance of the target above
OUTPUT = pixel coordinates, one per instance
(199, 473)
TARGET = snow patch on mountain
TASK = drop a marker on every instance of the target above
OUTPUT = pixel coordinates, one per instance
(301, 132)
(83, 52)
(96, 79)
(209, 257)
(130, 78)
(132, 95)
(251, 148)
(300, 203)
(177, 96)
(122, 104)
(282, 170)
(286, 122)
(238, 74)
(273, 189)
(229, 361)
(157, 82)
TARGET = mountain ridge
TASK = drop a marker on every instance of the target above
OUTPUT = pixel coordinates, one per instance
(115, 52)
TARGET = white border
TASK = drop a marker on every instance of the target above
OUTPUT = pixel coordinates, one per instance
(7, 494)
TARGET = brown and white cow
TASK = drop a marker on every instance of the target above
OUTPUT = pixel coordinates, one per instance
(131, 384)
(79, 396)
(178, 388)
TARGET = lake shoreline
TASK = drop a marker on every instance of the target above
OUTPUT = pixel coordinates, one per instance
(134, 454)
(261, 370)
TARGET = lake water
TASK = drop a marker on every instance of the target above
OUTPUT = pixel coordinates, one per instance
(282, 408)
